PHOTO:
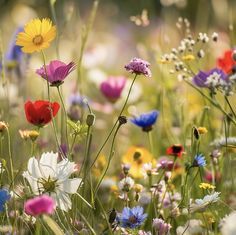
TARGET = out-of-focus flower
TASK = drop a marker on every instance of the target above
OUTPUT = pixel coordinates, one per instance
(136, 157)
(47, 176)
(160, 226)
(226, 62)
(126, 184)
(210, 79)
(165, 164)
(4, 197)
(39, 205)
(40, 112)
(148, 170)
(29, 134)
(228, 226)
(56, 72)
(223, 141)
(141, 20)
(37, 35)
(201, 204)
(132, 217)
(15, 60)
(3, 126)
(209, 177)
(191, 227)
(175, 150)
(202, 130)
(139, 66)
(112, 87)
(199, 160)
(146, 120)
(206, 186)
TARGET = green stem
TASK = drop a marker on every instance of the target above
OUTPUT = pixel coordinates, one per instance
(121, 112)
(111, 154)
(49, 99)
(65, 114)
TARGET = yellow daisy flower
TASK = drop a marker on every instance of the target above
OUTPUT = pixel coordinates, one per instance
(136, 157)
(36, 36)
(206, 186)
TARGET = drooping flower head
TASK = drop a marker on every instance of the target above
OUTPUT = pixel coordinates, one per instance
(39, 205)
(175, 150)
(226, 62)
(139, 66)
(136, 157)
(4, 197)
(199, 160)
(112, 87)
(57, 71)
(146, 120)
(132, 217)
(160, 226)
(48, 176)
(37, 35)
(40, 112)
(211, 78)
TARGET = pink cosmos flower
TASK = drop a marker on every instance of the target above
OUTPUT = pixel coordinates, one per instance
(39, 205)
(112, 88)
(139, 66)
(57, 71)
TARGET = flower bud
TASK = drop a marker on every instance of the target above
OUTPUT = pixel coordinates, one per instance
(90, 119)
(122, 120)
(3, 126)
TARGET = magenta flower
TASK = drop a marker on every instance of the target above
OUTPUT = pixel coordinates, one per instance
(57, 71)
(112, 88)
(39, 205)
(139, 66)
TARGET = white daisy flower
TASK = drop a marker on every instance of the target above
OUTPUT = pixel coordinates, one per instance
(201, 204)
(126, 184)
(228, 226)
(51, 177)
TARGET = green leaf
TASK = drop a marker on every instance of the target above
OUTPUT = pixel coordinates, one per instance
(53, 225)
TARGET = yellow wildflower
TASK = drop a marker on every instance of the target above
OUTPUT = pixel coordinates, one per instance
(36, 36)
(202, 130)
(206, 186)
(136, 157)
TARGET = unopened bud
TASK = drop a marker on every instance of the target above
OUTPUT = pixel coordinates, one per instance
(90, 119)
(122, 120)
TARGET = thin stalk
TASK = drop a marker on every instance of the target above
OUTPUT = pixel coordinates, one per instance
(110, 133)
(65, 113)
(49, 99)
(109, 161)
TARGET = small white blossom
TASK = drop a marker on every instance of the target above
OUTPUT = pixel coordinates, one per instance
(126, 184)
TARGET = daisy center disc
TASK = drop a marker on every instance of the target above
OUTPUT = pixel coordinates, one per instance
(38, 40)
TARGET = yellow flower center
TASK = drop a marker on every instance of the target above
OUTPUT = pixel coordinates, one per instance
(49, 185)
(38, 40)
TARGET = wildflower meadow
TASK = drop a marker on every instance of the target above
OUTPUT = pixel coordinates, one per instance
(117, 117)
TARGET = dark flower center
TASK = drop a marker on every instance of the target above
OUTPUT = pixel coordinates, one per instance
(177, 148)
(133, 219)
(38, 40)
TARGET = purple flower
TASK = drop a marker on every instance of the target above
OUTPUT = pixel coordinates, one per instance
(57, 71)
(199, 160)
(39, 205)
(112, 88)
(132, 217)
(139, 66)
(146, 120)
(160, 226)
(212, 77)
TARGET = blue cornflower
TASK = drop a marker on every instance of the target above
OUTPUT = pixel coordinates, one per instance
(199, 160)
(146, 120)
(132, 217)
(4, 196)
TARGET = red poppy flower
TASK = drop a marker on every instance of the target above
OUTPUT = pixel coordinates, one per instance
(38, 113)
(226, 63)
(175, 150)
